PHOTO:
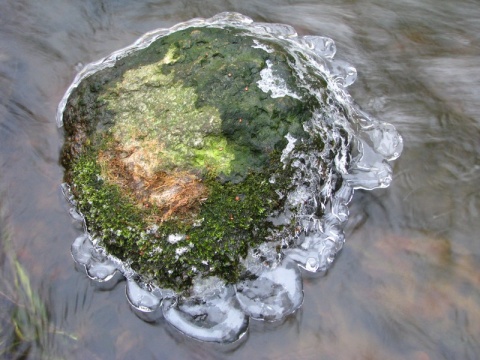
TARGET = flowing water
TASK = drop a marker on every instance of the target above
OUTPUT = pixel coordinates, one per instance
(406, 284)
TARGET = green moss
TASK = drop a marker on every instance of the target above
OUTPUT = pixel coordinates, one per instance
(232, 219)
(216, 155)
(110, 215)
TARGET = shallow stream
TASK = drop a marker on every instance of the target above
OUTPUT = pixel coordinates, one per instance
(406, 284)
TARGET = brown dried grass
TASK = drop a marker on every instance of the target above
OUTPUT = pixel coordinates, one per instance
(178, 193)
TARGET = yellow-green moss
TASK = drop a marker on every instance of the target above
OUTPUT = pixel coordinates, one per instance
(155, 113)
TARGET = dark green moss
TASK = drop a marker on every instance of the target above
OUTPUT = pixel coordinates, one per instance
(110, 215)
(233, 219)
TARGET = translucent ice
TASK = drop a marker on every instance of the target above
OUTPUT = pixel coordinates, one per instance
(101, 267)
(278, 30)
(82, 249)
(322, 46)
(273, 295)
(209, 315)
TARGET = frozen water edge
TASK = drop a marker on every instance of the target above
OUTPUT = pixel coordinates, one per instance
(217, 312)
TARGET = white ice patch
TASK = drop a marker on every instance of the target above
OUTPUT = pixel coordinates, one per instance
(157, 250)
(274, 83)
(175, 238)
(288, 149)
(181, 250)
(259, 45)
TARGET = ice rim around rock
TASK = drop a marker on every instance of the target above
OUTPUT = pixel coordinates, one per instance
(220, 312)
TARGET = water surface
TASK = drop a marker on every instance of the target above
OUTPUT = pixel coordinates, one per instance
(406, 284)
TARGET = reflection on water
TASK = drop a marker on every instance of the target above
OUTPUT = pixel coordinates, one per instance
(406, 284)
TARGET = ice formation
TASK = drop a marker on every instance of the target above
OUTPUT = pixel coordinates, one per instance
(219, 312)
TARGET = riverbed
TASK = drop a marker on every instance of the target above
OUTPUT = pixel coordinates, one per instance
(406, 284)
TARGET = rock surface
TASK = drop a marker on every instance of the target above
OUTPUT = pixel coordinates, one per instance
(179, 156)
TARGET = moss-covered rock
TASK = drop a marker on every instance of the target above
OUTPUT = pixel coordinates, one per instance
(174, 154)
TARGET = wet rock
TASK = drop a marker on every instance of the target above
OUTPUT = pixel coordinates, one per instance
(190, 137)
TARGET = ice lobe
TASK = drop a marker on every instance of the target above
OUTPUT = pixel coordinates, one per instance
(378, 144)
(212, 313)
(321, 45)
(273, 295)
(144, 303)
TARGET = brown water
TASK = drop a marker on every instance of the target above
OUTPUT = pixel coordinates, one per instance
(407, 283)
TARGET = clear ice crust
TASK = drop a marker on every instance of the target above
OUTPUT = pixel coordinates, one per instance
(220, 312)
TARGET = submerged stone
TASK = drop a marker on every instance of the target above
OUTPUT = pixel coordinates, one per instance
(179, 156)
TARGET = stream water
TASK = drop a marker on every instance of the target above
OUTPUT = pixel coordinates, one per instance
(406, 284)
